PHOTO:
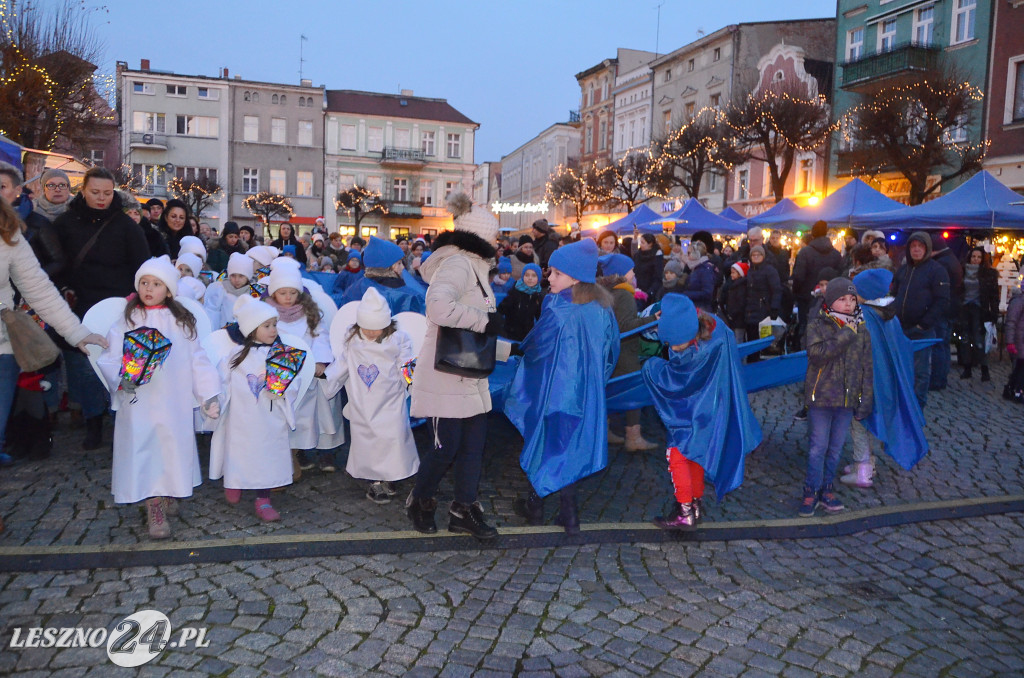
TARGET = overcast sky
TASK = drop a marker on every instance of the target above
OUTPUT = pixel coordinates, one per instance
(509, 66)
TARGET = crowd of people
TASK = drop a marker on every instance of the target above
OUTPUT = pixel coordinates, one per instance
(572, 308)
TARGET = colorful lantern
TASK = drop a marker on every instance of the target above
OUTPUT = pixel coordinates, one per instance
(283, 365)
(145, 350)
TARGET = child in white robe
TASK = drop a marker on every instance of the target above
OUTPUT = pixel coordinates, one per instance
(222, 294)
(370, 368)
(155, 454)
(299, 315)
(250, 447)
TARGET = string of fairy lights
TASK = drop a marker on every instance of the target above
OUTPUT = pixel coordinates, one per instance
(264, 205)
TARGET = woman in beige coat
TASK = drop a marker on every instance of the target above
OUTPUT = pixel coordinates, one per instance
(458, 295)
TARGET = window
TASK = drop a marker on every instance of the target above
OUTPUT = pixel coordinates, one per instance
(806, 177)
(207, 93)
(454, 145)
(1017, 72)
(151, 175)
(667, 76)
(250, 180)
(717, 54)
(716, 100)
(304, 184)
(712, 182)
(177, 91)
(666, 121)
(632, 133)
(247, 96)
(96, 157)
(622, 135)
(427, 193)
(250, 128)
(195, 173)
(690, 65)
(958, 133)
(375, 139)
(305, 132)
(427, 142)
(148, 122)
(589, 140)
(348, 137)
(278, 181)
(274, 99)
(284, 99)
(400, 190)
(766, 180)
(924, 25)
(591, 95)
(742, 185)
(855, 44)
(302, 102)
(886, 35)
(373, 183)
(402, 137)
(643, 125)
(346, 181)
(278, 130)
(255, 97)
(449, 188)
(198, 126)
(963, 20)
(142, 87)
(602, 140)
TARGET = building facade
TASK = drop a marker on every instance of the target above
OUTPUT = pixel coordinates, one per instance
(277, 145)
(882, 43)
(414, 151)
(1004, 109)
(174, 126)
(524, 178)
(632, 107)
(487, 183)
(710, 71)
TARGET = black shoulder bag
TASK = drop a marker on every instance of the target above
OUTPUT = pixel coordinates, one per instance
(464, 352)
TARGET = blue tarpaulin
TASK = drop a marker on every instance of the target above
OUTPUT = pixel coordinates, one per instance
(641, 217)
(730, 213)
(10, 152)
(699, 218)
(980, 202)
(842, 208)
(773, 213)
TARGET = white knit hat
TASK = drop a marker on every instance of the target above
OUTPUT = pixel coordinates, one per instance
(284, 273)
(373, 312)
(240, 264)
(251, 313)
(264, 254)
(162, 269)
(479, 221)
(192, 288)
(192, 244)
(194, 263)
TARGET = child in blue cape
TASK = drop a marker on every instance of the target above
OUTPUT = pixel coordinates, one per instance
(384, 266)
(700, 396)
(350, 273)
(557, 393)
(503, 281)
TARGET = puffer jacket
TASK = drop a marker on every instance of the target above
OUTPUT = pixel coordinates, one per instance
(764, 293)
(459, 295)
(732, 302)
(18, 265)
(649, 265)
(818, 254)
(1014, 330)
(700, 286)
(839, 366)
(921, 289)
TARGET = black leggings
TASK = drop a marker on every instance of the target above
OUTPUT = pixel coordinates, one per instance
(458, 441)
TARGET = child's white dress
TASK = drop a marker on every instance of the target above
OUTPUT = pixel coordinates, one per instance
(250, 447)
(155, 452)
(382, 446)
(219, 302)
(310, 419)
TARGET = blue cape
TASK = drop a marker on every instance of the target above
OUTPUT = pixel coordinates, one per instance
(701, 398)
(897, 419)
(400, 299)
(556, 398)
(344, 279)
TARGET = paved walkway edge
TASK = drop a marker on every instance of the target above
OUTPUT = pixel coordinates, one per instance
(43, 558)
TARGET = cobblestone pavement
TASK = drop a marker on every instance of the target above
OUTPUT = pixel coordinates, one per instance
(935, 599)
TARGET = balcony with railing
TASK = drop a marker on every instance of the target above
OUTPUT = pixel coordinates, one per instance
(574, 116)
(405, 209)
(907, 59)
(151, 140)
(402, 156)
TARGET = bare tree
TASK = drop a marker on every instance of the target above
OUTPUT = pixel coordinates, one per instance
(776, 123)
(198, 193)
(47, 57)
(920, 130)
(360, 202)
(702, 145)
(582, 186)
(126, 178)
(628, 179)
(266, 205)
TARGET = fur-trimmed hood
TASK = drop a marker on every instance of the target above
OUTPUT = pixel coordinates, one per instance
(453, 243)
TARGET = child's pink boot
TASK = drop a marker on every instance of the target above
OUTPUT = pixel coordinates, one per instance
(233, 496)
(265, 511)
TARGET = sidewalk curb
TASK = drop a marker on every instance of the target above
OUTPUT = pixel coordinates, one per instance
(43, 558)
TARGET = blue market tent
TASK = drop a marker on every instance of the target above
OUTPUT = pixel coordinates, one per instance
(842, 208)
(699, 218)
(730, 213)
(980, 202)
(774, 213)
(10, 152)
(641, 217)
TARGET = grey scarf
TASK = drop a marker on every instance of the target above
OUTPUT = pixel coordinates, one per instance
(48, 209)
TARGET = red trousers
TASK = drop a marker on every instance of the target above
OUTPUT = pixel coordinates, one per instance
(687, 476)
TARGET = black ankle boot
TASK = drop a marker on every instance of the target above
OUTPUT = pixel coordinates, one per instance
(568, 514)
(1007, 392)
(966, 373)
(421, 513)
(985, 376)
(530, 507)
(93, 433)
(469, 519)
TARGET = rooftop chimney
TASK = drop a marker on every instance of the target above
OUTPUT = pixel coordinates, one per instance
(144, 64)
(406, 92)
(305, 82)
(238, 77)
(225, 74)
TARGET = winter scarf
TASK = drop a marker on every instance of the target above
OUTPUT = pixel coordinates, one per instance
(523, 287)
(288, 314)
(856, 318)
(48, 209)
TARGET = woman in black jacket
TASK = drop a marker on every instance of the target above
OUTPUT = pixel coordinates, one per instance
(764, 294)
(174, 225)
(648, 264)
(286, 236)
(981, 305)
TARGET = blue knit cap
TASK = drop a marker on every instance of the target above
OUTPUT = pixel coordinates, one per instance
(577, 260)
(536, 269)
(288, 249)
(678, 323)
(380, 253)
(504, 265)
(353, 254)
(873, 283)
(615, 264)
